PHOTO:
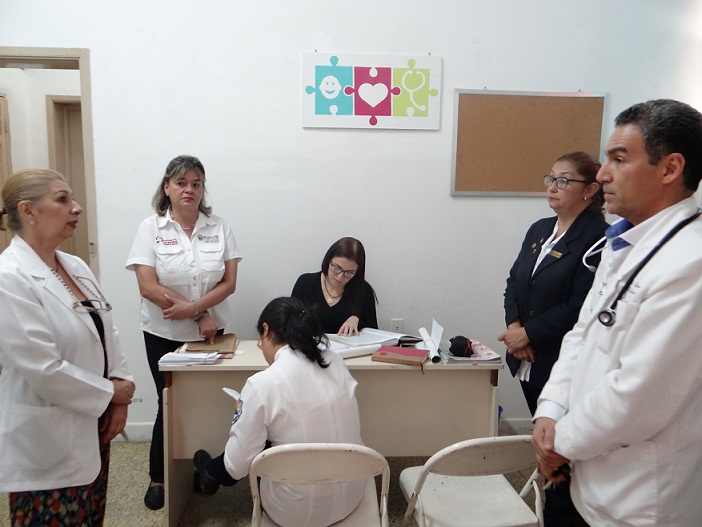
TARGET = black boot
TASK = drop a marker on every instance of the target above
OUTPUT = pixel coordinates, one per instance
(203, 481)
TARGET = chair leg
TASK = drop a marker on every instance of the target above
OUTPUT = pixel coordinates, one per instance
(410, 510)
(538, 504)
(527, 486)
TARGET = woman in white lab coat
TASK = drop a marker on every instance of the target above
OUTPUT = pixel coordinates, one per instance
(65, 386)
(305, 396)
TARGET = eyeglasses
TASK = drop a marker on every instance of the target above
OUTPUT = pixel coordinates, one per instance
(561, 182)
(338, 270)
(97, 306)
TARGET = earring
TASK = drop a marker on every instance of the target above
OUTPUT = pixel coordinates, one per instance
(585, 198)
(32, 222)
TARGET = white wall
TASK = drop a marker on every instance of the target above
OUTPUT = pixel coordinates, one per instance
(221, 80)
(26, 92)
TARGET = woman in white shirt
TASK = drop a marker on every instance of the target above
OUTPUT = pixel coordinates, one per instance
(305, 396)
(185, 259)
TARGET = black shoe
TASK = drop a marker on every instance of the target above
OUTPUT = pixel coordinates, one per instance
(154, 497)
(204, 482)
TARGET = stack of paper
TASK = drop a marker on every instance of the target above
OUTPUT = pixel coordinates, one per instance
(186, 359)
(348, 352)
(365, 343)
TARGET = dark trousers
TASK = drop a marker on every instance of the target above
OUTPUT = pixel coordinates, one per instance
(215, 469)
(559, 510)
(157, 347)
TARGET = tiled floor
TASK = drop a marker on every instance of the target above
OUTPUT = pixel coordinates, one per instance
(230, 507)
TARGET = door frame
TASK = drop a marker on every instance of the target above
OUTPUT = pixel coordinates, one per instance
(68, 58)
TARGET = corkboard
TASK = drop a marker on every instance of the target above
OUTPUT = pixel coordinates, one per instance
(505, 142)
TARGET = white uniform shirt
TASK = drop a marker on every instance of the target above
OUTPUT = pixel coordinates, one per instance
(296, 401)
(632, 392)
(189, 266)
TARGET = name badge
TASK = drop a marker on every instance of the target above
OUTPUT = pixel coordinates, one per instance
(555, 254)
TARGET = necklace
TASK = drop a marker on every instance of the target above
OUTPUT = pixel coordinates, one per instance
(63, 283)
(331, 298)
(103, 304)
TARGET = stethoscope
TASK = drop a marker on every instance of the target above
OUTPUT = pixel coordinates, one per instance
(608, 316)
(420, 107)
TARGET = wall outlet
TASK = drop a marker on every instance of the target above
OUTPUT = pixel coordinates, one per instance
(397, 325)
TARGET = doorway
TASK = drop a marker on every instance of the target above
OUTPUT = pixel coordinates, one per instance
(70, 135)
(65, 132)
(5, 158)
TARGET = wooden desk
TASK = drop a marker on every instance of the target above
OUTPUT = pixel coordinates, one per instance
(404, 412)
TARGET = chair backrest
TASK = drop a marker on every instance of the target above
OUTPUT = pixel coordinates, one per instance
(483, 456)
(317, 463)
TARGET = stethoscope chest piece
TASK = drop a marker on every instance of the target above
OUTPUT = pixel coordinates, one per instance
(607, 317)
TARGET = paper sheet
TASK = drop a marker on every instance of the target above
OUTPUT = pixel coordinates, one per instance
(348, 352)
(366, 337)
(431, 342)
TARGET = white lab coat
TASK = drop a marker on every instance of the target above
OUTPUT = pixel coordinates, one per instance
(633, 391)
(296, 401)
(52, 389)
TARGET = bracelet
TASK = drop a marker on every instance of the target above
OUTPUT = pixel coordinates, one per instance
(196, 309)
(202, 315)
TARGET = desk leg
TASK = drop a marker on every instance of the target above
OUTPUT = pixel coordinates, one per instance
(178, 472)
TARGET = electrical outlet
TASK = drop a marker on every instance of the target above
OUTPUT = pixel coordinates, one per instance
(397, 325)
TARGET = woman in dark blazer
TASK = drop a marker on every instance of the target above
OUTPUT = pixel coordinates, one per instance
(548, 281)
(547, 286)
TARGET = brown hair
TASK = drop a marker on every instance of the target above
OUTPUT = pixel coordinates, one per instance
(176, 170)
(587, 166)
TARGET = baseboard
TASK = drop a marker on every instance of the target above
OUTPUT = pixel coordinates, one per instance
(137, 432)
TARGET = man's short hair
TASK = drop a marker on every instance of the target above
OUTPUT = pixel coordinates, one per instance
(669, 126)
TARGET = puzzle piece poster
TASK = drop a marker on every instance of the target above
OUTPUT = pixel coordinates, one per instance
(371, 91)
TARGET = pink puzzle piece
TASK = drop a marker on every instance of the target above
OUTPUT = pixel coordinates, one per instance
(372, 92)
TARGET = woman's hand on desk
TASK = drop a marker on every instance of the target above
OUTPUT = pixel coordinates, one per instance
(208, 328)
(350, 327)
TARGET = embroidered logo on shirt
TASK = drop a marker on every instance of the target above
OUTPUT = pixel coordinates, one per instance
(208, 239)
(172, 241)
(237, 414)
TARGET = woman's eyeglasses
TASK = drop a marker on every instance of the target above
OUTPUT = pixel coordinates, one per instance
(97, 305)
(338, 270)
(561, 182)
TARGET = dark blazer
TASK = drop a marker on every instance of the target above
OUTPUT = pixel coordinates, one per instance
(548, 303)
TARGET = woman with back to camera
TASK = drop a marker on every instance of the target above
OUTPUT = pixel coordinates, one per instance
(185, 259)
(65, 386)
(306, 395)
(345, 301)
(548, 283)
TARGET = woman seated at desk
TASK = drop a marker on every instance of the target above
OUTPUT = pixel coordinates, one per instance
(345, 302)
(306, 395)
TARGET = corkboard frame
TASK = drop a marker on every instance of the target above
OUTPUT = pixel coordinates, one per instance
(504, 142)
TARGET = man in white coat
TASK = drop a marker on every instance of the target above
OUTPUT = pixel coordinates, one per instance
(623, 405)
